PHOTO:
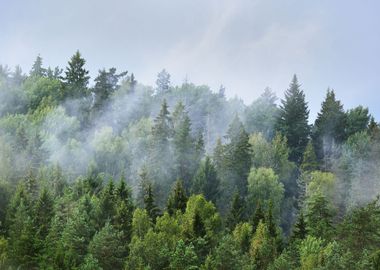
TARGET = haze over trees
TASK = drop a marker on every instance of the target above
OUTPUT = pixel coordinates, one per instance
(115, 174)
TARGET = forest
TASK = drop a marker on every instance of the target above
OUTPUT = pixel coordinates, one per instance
(110, 173)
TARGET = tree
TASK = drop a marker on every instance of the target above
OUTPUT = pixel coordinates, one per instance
(237, 211)
(237, 157)
(184, 257)
(183, 145)
(106, 83)
(329, 127)
(37, 69)
(263, 248)
(242, 235)
(263, 186)
(309, 160)
(261, 115)
(177, 199)
(162, 82)
(76, 77)
(293, 120)
(43, 213)
(357, 120)
(149, 203)
(107, 247)
(319, 216)
(299, 228)
(206, 181)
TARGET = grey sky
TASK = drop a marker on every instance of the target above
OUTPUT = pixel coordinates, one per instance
(245, 45)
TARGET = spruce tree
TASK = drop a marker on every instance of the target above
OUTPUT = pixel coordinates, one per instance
(236, 213)
(37, 69)
(293, 120)
(183, 145)
(177, 199)
(149, 203)
(43, 213)
(329, 127)
(76, 77)
(162, 82)
(258, 215)
(238, 158)
(309, 160)
(299, 228)
(206, 181)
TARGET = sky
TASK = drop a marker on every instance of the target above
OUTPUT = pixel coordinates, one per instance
(246, 45)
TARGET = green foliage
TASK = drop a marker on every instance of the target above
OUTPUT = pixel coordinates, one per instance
(184, 257)
(177, 199)
(206, 181)
(263, 186)
(293, 120)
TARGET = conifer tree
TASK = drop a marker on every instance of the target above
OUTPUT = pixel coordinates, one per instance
(177, 199)
(206, 181)
(37, 69)
(299, 228)
(149, 203)
(163, 82)
(329, 127)
(238, 159)
(43, 213)
(309, 160)
(258, 215)
(76, 77)
(293, 120)
(236, 213)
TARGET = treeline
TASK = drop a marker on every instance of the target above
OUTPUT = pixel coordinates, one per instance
(119, 175)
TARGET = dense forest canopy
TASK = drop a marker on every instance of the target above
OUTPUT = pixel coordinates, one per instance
(120, 175)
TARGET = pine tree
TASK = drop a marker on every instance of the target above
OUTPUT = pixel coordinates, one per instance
(272, 230)
(43, 213)
(357, 120)
(293, 120)
(309, 160)
(299, 228)
(76, 77)
(238, 158)
(163, 82)
(183, 145)
(107, 248)
(106, 209)
(329, 127)
(37, 69)
(177, 199)
(236, 213)
(206, 181)
(106, 83)
(149, 203)
(258, 216)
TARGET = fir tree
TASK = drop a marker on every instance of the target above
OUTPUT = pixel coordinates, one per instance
(37, 69)
(163, 82)
(309, 160)
(293, 120)
(76, 77)
(177, 199)
(258, 215)
(329, 127)
(206, 181)
(299, 228)
(149, 203)
(236, 213)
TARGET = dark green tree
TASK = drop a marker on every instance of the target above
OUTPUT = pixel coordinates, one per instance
(299, 228)
(206, 181)
(293, 120)
(107, 247)
(177, 199)
(149, 203)
(236, 213)
(43, 213)
(258, 215)
(37, 69)
(329, 127)
(309, 160)
(357, 120)
(237, 155)
(76, 78)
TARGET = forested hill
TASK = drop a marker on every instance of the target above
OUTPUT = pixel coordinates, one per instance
(119, 175)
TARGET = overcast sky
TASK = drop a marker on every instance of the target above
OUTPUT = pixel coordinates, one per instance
(245, 45)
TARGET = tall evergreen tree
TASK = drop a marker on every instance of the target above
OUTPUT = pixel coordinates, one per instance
(149, 203)
(237, 154)
(177, 199)
(329, 127)
(183, 145)
(76, 77)
(299, 228)
(163, 82)
(37, 69)
(206, 181)
(309, 160)
(293, 120)
(357, 120)
(236, 213)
